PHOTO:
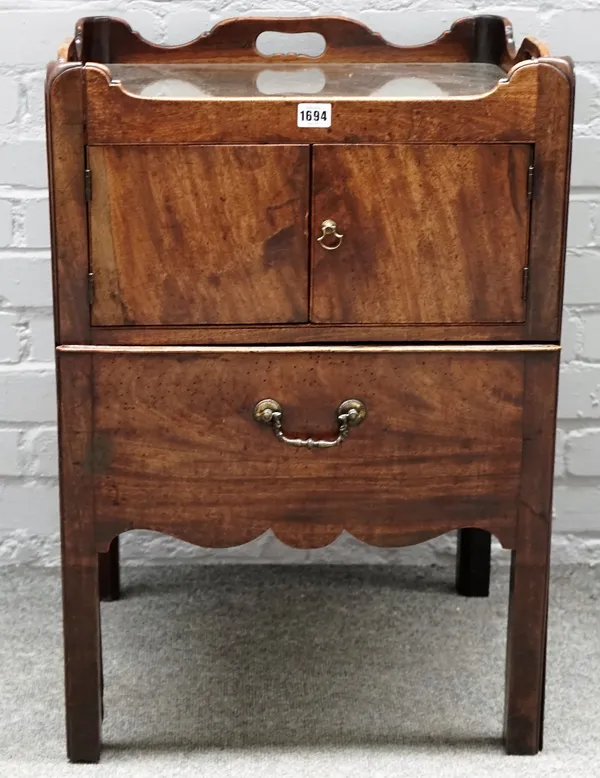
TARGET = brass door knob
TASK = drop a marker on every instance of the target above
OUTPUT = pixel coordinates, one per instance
(329, 228)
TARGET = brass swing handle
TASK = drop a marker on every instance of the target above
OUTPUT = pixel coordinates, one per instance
(351, 413)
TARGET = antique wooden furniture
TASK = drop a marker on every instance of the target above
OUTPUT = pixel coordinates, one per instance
(308, 295)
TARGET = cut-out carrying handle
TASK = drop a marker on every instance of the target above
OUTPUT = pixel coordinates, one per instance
(108, 40)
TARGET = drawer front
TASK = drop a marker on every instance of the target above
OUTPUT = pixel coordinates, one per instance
(431, 234)
(199, 234)
(177, 448)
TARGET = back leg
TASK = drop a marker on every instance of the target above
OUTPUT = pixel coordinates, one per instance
(108, 572)
(473, 562)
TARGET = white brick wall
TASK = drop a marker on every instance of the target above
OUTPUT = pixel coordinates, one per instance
(36, 223)
(30, 31)
(6, 219)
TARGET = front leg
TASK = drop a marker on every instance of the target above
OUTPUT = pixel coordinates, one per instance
(530, 570)
(81, 608)
(81, 626)
(526, 643)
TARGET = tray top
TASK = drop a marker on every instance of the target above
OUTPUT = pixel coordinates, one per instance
(330, 80)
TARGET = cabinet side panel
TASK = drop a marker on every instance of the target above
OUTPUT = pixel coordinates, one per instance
(550, 199)
(66, 158)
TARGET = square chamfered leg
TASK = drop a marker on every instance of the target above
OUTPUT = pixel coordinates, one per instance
(81, 608)
(530, 567)
(473, 551)
(83, 671)
(109, 573)
(526, 651)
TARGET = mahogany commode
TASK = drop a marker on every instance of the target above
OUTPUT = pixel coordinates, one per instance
(308, 295)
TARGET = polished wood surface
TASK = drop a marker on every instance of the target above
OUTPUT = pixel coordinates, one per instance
(556, 94)
(196, 230)
(81, 621)
(482, 38)
(307, 334)
(66, 162)
(530, 48)
(508, 113)
(178, 448)
(191, 235)
(422, 228)
(342, 348)
(530, 570)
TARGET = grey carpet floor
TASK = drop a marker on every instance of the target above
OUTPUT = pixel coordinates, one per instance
(298, 671)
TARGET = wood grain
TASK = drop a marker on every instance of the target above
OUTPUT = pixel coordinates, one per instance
(507, 114)
(178, 450)
(528, 605)
(556, 93)
(66, 161)
(209, 244)
(305, 334)
(105, 39)
(530, 48)
(193, 235)
(81, 623)
(423, 226)
(341, 348)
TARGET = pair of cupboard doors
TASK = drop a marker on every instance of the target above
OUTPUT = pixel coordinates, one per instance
(237, 234)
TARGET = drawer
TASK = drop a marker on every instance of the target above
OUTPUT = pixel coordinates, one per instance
(199, 234)
(431, 234)
(176, 446)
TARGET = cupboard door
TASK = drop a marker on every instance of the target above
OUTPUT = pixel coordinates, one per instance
(199, 234)
(431, 234)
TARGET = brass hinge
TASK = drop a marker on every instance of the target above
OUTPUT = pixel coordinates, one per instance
(88, 184)
(525, 283)
(91, 288)
(530, 182)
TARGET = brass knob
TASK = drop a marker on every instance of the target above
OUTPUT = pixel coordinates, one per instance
(329, 227)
